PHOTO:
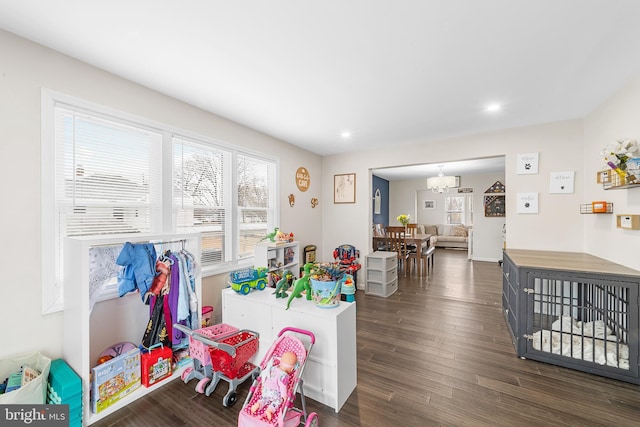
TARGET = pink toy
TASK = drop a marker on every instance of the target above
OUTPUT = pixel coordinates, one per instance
(282, 368)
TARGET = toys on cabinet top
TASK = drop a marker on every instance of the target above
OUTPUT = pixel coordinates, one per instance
(244, 280)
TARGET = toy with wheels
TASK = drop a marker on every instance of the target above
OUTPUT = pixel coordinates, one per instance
(255, 412)
(220, 352)
(244, 280)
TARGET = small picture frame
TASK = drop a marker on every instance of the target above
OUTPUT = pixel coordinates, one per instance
(527, 203)
(527, 164)
(344, 188)
(561, 182)
(429, 204)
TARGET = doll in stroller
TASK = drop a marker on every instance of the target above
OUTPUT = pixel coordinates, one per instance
(274, 384)
(273, 392)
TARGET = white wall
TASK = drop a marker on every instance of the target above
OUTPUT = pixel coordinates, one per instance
(487, 231)
(558, 226)
(618, 117)
(25, 68)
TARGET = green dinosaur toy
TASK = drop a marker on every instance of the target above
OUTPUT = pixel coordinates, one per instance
(301, 284)
(283, 285)
(271, 236)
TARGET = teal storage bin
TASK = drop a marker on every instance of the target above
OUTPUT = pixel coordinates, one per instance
(65, 388)
(64, 381)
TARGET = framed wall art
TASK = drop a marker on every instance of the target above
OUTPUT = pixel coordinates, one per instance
(561, 182)
(344, 188)
(527, 203)
(494, 205)
(527, 164)
(429, 204)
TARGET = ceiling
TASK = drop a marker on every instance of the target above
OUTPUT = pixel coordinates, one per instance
(389, 72)
(459, 168)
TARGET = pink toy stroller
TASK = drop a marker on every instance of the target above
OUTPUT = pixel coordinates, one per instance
(220, 352)
(286, 415)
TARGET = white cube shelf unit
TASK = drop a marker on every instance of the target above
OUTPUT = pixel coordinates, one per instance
(278, 256)
(381, 269)
(87, 330)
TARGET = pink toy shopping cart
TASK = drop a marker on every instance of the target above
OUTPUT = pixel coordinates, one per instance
(289, 340)
(220, 352)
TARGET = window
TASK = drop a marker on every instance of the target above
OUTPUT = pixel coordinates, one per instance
(454, 207)
(104, 172)
(459, 209)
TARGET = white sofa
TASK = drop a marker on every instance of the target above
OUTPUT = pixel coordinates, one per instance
(446, 235)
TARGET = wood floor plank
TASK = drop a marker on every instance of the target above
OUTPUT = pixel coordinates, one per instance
(435, 353)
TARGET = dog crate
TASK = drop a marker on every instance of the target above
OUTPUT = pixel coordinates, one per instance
(573, 310)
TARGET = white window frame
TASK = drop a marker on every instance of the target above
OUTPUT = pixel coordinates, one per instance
(52, 290)
(466, 212)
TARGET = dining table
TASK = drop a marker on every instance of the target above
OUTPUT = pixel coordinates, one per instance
(420, 240)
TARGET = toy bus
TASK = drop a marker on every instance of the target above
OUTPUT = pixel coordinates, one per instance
(244, 280)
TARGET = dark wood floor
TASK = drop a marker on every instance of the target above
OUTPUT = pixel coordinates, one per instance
(436, 353)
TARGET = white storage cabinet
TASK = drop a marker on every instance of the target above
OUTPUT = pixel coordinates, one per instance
(278, 256)
(381, 269)
(86, 332)
(330, 371)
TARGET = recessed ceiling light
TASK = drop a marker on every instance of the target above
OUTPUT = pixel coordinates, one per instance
(493, 108)
(345, 134)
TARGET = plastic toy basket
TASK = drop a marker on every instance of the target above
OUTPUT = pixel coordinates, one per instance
(245, 344)
(199, 350)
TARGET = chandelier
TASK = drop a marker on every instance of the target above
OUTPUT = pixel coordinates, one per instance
(441, 183)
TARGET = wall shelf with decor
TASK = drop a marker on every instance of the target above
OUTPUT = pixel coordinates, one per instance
(629, 222)
(615, 182)
(596, 208)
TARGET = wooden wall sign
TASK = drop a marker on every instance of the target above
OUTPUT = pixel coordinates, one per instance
(303, 179)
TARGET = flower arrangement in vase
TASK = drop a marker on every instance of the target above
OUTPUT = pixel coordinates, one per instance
(404, 219)
(621, 156)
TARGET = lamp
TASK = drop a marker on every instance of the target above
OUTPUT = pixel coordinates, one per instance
(441, 183)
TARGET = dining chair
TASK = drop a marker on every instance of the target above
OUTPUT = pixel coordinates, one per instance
(378, 231)
(411, 230)
(396, 237)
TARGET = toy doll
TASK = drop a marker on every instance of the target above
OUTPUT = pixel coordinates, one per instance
(274, 384)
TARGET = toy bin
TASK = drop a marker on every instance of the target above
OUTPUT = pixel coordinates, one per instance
(325, 294)
(33, 391)
(200, 350)
(156, 364)
(245, 344)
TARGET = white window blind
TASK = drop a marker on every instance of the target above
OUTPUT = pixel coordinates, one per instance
(107, 178)
(255, 201)
(201, 196)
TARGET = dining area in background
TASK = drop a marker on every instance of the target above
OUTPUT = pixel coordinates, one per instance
(412, 249)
